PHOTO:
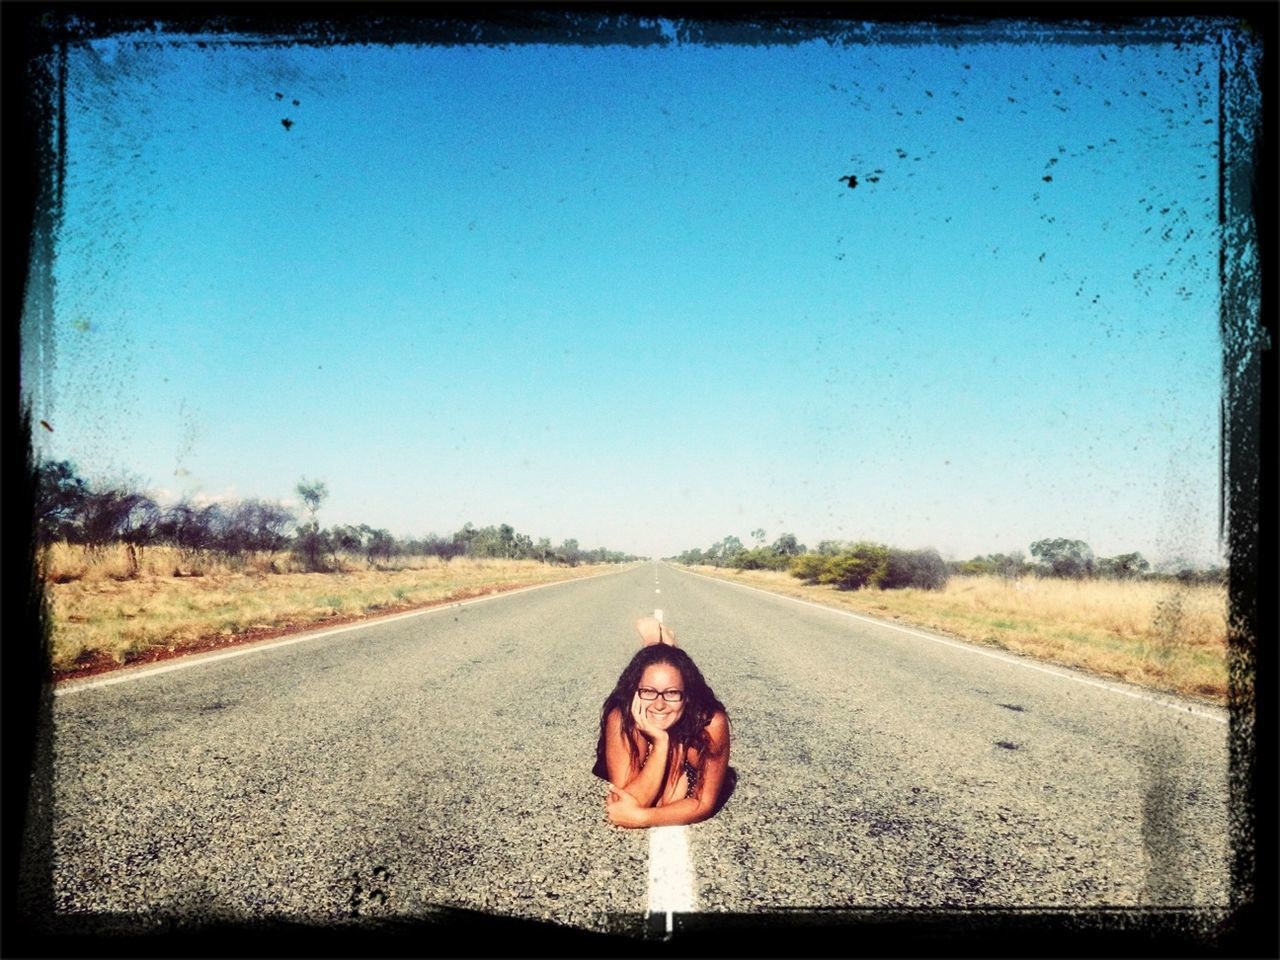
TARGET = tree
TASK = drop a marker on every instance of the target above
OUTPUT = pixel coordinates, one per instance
(691, 557)
(1127, 566)
(786, 546)
(923, 569)
(346, 537)
(310, 544)
(378, 544)
(463, 539)
(757, 558)
(568, 553)
(257, 525)
(1007, 566)
(119, 516)
(433, 545)
(730, 547)
(507, 540)
(860, 566)
(110, 515)
(524, 548)
(313, 494)
(758, 536)
(1065, 558)
(59, 507)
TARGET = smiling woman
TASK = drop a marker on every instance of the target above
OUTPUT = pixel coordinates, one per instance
(664, 742)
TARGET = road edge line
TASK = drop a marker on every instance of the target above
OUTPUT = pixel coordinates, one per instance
(199, 659)
(1054, 670)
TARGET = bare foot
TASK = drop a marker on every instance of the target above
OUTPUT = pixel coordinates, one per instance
(652, 631)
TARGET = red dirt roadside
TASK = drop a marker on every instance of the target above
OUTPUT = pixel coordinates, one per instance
(100, 662)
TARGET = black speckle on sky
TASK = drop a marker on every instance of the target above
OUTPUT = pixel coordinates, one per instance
(286, 123)
(852, 180)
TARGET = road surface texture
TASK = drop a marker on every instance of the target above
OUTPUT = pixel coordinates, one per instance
(442, 760)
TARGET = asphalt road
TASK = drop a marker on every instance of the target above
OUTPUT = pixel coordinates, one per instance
(444, 760)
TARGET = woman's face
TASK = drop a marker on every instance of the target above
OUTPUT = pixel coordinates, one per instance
(662, 677)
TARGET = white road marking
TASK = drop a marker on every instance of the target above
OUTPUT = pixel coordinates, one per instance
(196, 660)
(670, 871)
(670, 874)
(969, 648)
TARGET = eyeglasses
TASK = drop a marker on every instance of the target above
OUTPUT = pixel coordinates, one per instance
(671, 696)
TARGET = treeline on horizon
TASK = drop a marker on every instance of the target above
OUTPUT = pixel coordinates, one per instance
(72, 510)
(850, 565)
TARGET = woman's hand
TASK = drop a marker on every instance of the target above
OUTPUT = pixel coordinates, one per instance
(623, 809)
(644, 723)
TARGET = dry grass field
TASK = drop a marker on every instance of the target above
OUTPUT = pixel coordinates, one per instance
(101, 613)
(1165, 636)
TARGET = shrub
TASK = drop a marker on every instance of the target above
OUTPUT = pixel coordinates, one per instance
(924, 569)
(808, 567)
(760, 558)
(857, 567)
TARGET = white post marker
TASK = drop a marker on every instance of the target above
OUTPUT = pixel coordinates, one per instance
(670, 872)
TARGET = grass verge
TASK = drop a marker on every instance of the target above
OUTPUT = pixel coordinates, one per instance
(103, 622)
(1163, 636)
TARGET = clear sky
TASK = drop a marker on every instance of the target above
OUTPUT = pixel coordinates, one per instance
(621, 294)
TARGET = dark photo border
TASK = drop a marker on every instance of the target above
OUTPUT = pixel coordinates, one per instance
(32, 34)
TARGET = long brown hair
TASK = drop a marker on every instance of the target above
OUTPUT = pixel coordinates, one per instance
(700, 705)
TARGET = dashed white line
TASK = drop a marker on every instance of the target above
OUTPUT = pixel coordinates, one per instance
(969, 648)
(670, 873)
(670, 870)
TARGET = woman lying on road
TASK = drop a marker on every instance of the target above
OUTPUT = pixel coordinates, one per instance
(664, 740)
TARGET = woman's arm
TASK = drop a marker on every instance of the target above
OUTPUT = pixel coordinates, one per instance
(645, 784)
(690, 809)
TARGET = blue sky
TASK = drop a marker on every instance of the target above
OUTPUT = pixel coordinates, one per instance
(621, 294)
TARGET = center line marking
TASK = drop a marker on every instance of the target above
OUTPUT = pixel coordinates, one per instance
(670, 871)
(670, 874)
